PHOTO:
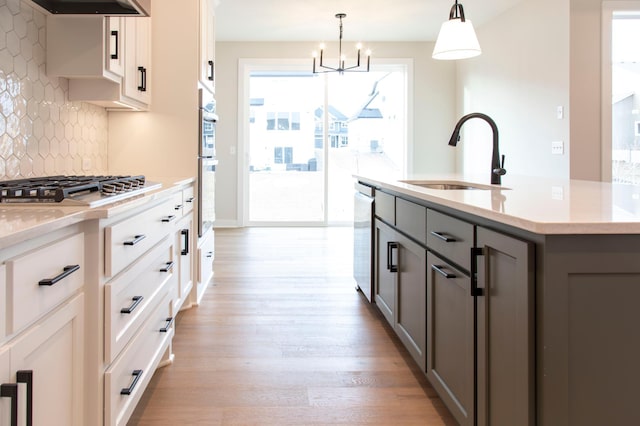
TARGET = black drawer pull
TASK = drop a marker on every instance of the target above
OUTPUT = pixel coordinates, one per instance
(10, 390)
(442, 272)
(136, 376)
(189, 200)
(443, 237)
(136, 240)
(178, 207)
(26, 376)
(169, 218)
(167, 326)
(209, 254)
(136, 301)
(115, 54)
(185, 234)
(391, 267)
(167, 267)
(66, 271)
(143, 79)
(210, 76)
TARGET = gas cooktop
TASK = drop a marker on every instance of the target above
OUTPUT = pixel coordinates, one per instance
(89, 191)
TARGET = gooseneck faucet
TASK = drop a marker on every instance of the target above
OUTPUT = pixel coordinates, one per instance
(497, 168)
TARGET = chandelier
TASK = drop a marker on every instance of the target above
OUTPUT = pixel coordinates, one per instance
(341, 68)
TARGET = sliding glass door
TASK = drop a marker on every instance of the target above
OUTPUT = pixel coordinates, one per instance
(306, 135)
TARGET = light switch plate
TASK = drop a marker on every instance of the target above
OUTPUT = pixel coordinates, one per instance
(557, 148)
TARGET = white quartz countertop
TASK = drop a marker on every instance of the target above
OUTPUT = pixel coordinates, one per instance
(536, 204)
(20, 222)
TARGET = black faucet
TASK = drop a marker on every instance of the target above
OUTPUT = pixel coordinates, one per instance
(497, 168)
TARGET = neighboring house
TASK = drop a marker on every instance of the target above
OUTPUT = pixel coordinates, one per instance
(338, 132)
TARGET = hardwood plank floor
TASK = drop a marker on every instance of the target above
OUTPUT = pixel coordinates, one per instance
(282, 338)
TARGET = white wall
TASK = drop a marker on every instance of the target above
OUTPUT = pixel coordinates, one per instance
(519, 80)
(433, 109)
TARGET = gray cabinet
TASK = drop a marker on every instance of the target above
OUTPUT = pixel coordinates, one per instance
(505, 330)
(450, 337)
(400, 288)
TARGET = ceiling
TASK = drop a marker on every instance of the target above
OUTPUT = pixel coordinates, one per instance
(367, 20)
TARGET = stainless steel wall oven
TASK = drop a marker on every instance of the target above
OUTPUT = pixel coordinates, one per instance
(207, 161)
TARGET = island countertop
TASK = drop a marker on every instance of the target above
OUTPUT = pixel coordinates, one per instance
(537, 204)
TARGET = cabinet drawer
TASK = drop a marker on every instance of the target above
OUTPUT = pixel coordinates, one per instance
(127, 240)
(450, 237)
(128, 298)
(177, 203)
(133, 370)
(385, 207)
(411, 218)
(206, 256)
(188, 199)
(43, 278)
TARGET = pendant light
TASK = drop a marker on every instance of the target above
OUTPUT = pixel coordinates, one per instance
(457, 39)
(341, 68)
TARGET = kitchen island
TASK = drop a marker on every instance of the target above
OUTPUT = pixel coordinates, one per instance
(518, 301)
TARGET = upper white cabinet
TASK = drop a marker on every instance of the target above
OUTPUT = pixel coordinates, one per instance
(137, 60)
(106, 59)
(207, 44)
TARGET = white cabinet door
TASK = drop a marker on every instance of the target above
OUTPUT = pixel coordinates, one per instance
(184, 256)
(53, 350)
(115, 45)
(137, 77)
(207, 44)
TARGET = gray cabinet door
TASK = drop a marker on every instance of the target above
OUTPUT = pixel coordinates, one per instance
(505, 330)
(386, 261)
(411, 299)
(450, 337)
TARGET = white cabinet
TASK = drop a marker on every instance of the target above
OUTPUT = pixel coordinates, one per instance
(137, 60)
(53, 351)
(207, 45)
(205, 265)
(44, 353)
(106, 59)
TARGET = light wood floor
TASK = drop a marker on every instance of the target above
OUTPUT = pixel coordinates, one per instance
(282, 338)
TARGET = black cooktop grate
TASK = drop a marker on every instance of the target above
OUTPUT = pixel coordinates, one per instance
(57, 188)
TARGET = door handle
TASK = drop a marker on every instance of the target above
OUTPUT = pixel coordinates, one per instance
(391, 267)
(185, 234)
(10, 390)
(475, 253)
(26, 376)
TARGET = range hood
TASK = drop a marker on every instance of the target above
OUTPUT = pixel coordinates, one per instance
(96, 7)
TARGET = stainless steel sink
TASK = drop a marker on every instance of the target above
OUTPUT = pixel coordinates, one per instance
(450, 185)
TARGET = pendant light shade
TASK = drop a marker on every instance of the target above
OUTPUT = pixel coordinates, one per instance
(457, 38)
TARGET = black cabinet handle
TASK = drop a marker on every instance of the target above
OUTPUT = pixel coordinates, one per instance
(143, 79)
(167, 326)
(390, 265)
(136, 376)
(185, 234)
(443, 237)
(190, 200)
(10, 390)
(178, 207)
(136, 240)
(136, 301)
(115, 34)
(210, 71)
(26, 376)
(209, 254)
(66, 271)
(442, 272)
(169, 218)
(475, 253)
(167, 267)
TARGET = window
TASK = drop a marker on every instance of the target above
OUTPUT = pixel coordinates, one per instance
(283, 121)
(271, 121)
(295, 121)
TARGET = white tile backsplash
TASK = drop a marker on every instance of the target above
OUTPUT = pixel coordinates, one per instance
(42, 133)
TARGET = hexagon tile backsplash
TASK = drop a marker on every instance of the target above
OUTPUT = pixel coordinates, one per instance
(41, 132)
